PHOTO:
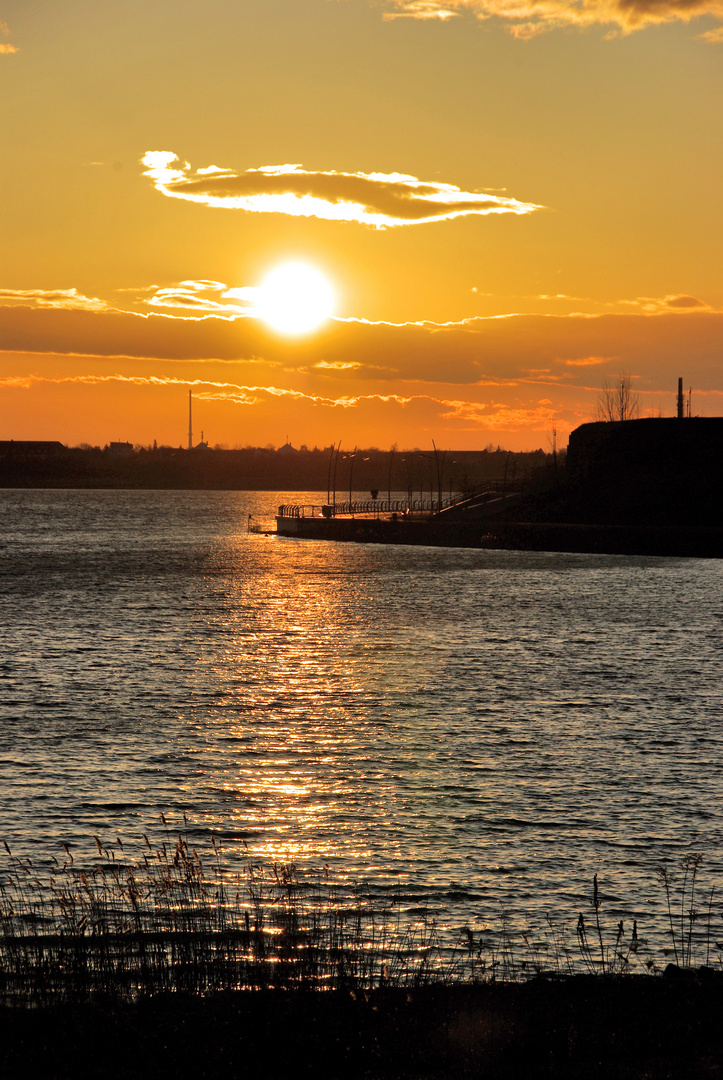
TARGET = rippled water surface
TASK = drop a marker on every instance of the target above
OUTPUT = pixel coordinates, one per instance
(484, 730)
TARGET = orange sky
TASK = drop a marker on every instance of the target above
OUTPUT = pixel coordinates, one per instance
(511, 203)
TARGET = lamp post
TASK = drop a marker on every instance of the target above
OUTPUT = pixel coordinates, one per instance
(351, 474)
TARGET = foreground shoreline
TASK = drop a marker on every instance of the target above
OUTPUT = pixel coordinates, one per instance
(581, 1026)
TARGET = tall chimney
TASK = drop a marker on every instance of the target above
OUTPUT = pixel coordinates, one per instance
(190, 423)
(680, 399)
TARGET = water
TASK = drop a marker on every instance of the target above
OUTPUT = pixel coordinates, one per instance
(478, 731)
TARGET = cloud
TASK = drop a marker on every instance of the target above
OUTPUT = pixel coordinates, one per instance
(528, 18)
(18, 382)
(586, 361)
(421, 9)
(5, 47)
(492, 415)
(685, 302)
(200, 297)
(674, 302)
(208, 390)
(495, 414)
(378, 199)
(336, 365)
(55, 298)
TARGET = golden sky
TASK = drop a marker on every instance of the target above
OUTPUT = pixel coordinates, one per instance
(505, 203)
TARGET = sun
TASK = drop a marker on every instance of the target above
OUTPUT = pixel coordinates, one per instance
(294, 298)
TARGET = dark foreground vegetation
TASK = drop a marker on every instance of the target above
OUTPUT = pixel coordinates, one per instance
(584, 1027)
(166, 964)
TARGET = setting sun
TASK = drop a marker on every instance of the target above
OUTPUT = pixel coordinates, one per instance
(294, 298)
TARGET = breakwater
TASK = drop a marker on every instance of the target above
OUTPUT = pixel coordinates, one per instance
(436, 531)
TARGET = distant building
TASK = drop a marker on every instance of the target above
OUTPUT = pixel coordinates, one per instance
(31, 447)
(287, 449)
(120, 449)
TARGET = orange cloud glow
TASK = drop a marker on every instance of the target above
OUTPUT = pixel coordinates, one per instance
(5, 46)
(55, 298)
(527, 18)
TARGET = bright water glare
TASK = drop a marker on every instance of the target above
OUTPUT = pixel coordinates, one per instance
(475, 731)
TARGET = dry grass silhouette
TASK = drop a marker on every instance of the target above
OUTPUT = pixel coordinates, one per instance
(172, 921)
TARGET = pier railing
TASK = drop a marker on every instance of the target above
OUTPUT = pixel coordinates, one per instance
(364, 508)
(374, 507)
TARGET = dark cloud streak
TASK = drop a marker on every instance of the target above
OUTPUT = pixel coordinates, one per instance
(503, 350)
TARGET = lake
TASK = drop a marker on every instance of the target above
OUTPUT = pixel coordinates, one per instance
(477, 732)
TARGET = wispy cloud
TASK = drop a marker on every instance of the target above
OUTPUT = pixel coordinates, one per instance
(527, 18)
(379, 199)
(54, 298)
(491, 414)
(672, 302)
(206, 390)
(422, 9)
(495, 414)
(5, 47)
(587, 361)
(201, 297)
(336, 365)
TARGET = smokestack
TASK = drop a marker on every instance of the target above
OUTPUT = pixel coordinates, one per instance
(680, 399)
(190, 418)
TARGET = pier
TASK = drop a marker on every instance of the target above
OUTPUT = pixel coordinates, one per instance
(453, 521)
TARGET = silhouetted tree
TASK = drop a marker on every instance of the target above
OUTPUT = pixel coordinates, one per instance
(617, 400)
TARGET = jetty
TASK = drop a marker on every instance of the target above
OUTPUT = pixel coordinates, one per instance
(454, 521)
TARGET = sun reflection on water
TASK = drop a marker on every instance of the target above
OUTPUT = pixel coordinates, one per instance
(295, 690)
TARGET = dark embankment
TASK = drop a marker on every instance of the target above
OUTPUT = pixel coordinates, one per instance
(585, 1026)
(684, 541)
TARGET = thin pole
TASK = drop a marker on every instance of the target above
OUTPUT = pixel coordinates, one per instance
(351, 474)
(389, 492)
(328, 474)
(336, 459)
(439, 477)
(190, 420)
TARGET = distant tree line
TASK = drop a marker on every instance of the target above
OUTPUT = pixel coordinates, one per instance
(264, 469)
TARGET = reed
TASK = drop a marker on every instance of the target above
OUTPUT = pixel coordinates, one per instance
(168, 920)
(171, 922)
